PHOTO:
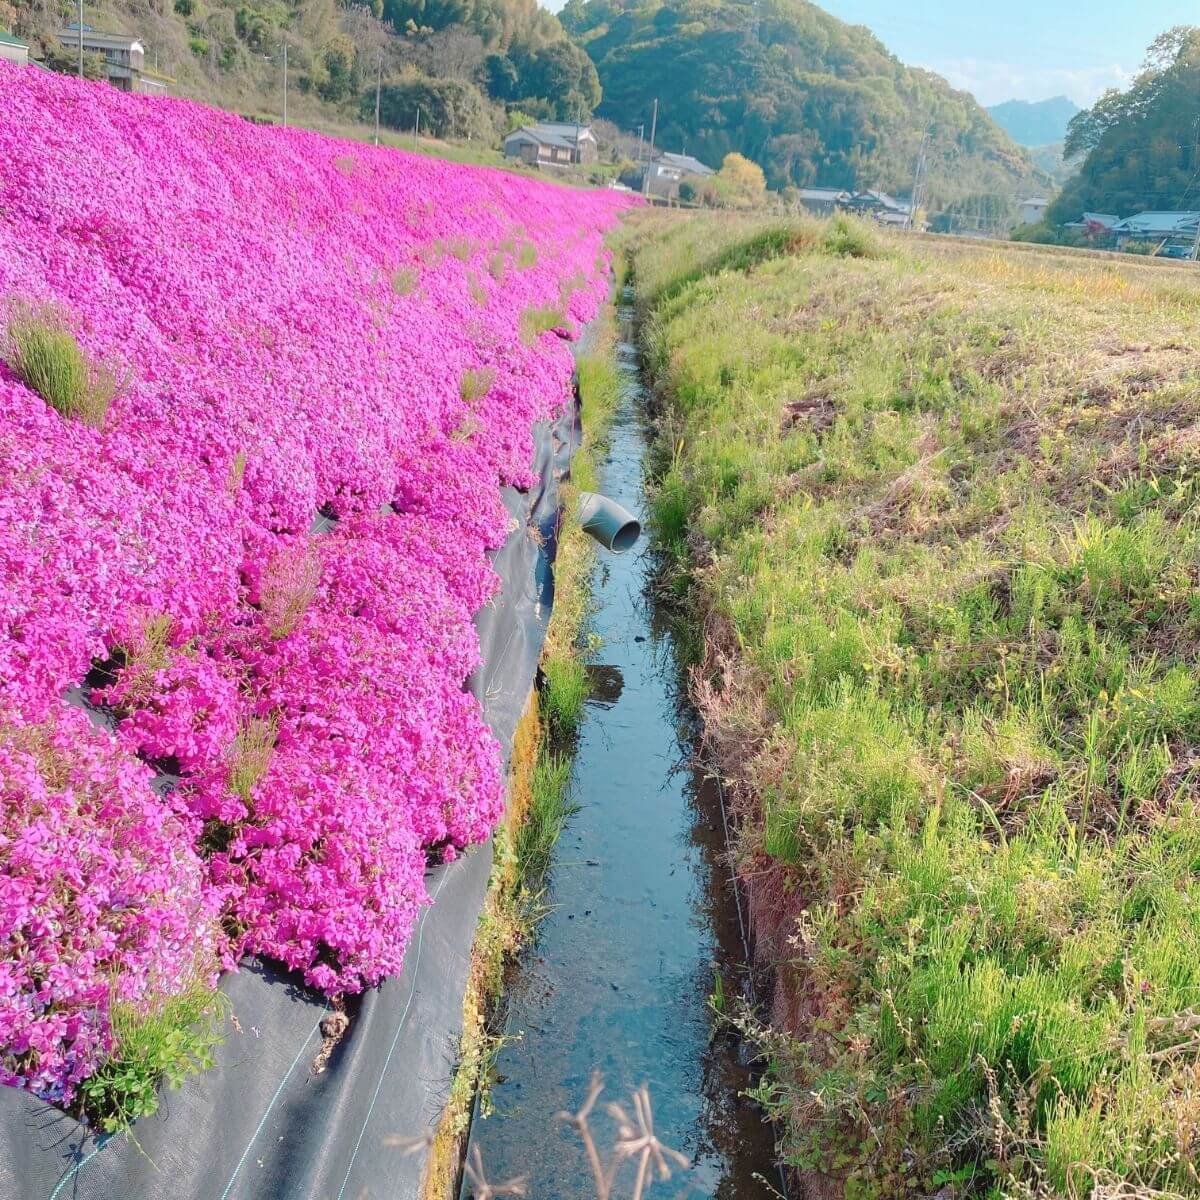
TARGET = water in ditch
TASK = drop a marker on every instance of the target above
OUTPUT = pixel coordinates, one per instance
(642, 916)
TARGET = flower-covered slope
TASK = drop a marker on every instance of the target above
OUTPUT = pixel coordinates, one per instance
(296, 324)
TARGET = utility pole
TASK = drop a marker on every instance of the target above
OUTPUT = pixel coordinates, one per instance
(650, 155)
(641, 133)
(417, 128)
(914, 201)
(378, 85)
(285, 85)
(80, 39)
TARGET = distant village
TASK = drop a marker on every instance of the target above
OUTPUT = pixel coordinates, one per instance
(665, 176)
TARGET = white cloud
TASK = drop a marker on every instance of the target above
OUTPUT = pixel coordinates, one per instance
(992, 82)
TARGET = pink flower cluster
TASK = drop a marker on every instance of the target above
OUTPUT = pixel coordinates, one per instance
(292, 318)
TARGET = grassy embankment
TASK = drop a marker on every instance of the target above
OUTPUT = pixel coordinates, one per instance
(934, 508)
(539, 777)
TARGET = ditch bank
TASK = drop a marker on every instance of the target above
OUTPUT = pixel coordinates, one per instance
(643, 925)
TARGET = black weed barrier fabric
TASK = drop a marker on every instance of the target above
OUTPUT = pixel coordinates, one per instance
(261, 1124)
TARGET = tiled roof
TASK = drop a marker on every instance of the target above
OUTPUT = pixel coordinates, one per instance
(1159, 223)
(687, 164)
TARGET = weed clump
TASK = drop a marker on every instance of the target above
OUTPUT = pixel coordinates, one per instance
(475, 383)
(237, 473)
(161, 1044)
(288, 587)
(47, 356)
(405, 280)
(250, 757)
(536, 321)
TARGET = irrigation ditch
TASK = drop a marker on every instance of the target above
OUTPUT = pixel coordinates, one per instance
(641, 927)
(639, 922)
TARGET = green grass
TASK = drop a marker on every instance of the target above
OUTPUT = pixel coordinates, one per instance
(564, 692)
(160, 1047)
(549, 808)
(934, 503)
(44, 352)
(536, 321)
(475, 383)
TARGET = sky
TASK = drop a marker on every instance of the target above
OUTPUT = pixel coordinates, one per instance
(1021, 49)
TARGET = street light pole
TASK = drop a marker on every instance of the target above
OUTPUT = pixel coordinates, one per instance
(378, 84)
(80, 39)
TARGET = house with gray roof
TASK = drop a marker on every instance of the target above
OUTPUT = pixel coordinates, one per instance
(823, 200)
(663, 174)
(552, 144)
(124, 58)
(1172, 233)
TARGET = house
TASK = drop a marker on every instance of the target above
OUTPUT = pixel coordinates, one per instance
(124, 58)
(1094, 223)
(823, 201)
(881, 207)
(552, 144)
(13, 50)
(1033, 210)
(663, 174)
(1169, 233)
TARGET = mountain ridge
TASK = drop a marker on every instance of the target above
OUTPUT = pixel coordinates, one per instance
(813, 100)
(1034, 123)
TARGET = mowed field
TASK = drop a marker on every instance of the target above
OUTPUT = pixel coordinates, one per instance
(932, 510)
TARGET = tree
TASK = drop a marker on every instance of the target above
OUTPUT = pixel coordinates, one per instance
(500, 77)
(1141, 145)
(450, 108)
(451, 53)
(744, 179)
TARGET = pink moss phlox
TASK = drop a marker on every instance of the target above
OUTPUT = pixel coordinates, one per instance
(240, 283)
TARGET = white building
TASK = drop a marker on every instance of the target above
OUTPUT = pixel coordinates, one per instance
(1033, 210)
(13, 50)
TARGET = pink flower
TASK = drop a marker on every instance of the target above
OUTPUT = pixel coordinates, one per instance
(309, 693)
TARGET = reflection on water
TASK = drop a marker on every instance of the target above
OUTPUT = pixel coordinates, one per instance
(642, 917)
(605, 684)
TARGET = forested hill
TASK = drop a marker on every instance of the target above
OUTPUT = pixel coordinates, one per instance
(814, 101)
(1142, 146)
(463, 61)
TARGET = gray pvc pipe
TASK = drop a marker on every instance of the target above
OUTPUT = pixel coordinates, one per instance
(614, 527)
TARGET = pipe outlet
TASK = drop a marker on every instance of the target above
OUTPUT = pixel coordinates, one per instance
(614, 527)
